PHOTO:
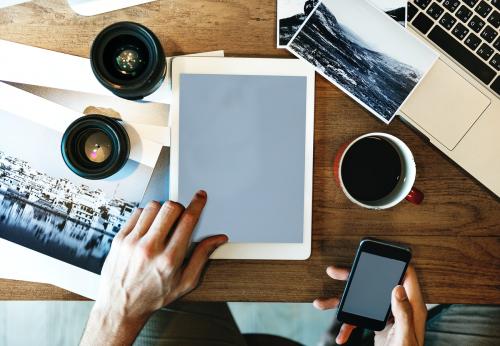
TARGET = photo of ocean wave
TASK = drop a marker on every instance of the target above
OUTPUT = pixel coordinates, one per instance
(362, 51)
(292, 13)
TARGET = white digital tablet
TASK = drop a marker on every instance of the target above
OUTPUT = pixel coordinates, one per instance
(242, 130)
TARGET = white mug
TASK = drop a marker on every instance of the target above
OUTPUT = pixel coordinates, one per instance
(403, 190)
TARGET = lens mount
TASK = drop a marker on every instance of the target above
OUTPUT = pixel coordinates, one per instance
(128, 59)
(94, 131)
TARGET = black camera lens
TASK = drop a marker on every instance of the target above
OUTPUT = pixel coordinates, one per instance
(95, 146)
(128, 59)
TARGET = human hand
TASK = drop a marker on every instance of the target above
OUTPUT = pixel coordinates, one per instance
(145, 268)
(408, 310)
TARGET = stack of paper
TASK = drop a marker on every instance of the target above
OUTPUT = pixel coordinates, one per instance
(360, 46)
(55, 226)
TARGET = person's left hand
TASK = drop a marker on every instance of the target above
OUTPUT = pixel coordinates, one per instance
(341, 274)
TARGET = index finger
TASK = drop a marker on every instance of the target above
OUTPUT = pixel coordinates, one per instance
(181, 236)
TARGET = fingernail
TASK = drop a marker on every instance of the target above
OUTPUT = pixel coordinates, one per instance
(401, 293)
(223, 240)
(219, 243)
(201, 193)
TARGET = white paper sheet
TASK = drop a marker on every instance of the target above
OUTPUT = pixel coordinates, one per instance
(31, 265)
(30, 106)
(93, 7)
(7, 3)
(36, 66)
(46, 208)
(20, 263)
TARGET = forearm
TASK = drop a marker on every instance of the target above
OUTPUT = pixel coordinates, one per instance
(108, 328)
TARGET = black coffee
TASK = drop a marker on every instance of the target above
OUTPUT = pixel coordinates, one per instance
(371, 169)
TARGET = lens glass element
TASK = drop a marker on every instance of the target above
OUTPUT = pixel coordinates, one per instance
(98, 146)
(129, 61)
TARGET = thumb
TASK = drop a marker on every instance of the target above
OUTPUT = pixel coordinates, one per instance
(403, 314)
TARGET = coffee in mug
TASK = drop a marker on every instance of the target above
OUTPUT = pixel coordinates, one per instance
(377, 171)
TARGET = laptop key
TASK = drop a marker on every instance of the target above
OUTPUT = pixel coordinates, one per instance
(461, 54)
(471, 3)
(422, 23)
(460, 31)
(451, 5)
(422, 3)
(494, 19)
(476, 24)
(496, 45)
(447, 21)
(485, 51)
(483, 9)
(472, 41)
(411, 11)
(495, 61)
(496, 85)
(435, 11)
(489, 34)
(496, 3)
(463, 14)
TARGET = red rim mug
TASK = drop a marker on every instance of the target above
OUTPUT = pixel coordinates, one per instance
(404, 189)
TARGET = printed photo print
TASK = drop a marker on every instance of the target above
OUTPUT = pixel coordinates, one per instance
(292, 13)
(364, 53)
(49, 209)
(396, 9)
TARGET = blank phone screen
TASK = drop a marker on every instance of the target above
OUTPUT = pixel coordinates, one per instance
(374, 278)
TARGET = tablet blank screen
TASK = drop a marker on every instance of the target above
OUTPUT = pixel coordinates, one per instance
(242, 139)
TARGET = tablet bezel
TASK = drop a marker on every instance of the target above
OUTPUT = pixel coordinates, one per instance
(261, 67)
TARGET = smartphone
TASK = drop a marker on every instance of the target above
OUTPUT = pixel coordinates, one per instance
(377, 269)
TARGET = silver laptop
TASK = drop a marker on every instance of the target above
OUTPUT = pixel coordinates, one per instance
(457, 105)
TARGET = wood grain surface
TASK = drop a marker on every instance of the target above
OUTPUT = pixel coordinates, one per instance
(454, 234)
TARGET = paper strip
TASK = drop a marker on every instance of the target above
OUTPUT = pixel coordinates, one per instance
(58, 118)
(93, 7)
(31, 65)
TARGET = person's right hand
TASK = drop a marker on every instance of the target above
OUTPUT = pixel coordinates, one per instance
(146, 269)
(408, 310)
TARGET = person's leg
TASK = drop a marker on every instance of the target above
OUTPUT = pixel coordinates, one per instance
(464, 325)
(191, 324)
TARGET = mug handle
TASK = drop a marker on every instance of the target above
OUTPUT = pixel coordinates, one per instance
(415, 196)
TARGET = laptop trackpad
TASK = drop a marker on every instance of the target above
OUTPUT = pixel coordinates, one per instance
(445, 105)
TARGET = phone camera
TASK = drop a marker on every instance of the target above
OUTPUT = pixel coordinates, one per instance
(128, 59)
(95, 146)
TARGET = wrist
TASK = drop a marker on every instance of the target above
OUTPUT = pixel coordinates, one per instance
(116, 317)
(111, 325)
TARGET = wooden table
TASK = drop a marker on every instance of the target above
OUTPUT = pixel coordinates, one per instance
(454, 234)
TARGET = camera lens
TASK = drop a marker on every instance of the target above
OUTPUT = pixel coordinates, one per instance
(128, 59)
(95, 146)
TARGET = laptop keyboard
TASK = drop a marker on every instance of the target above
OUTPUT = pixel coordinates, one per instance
(467, 30)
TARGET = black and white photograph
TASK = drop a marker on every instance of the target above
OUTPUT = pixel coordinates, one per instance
(396, 9)
(364, 53)
(49, 209)
(292, 13)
